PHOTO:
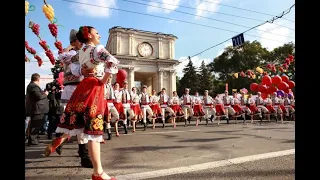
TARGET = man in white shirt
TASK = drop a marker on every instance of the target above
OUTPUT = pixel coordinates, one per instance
(110, 97)
(164, 101)
(144, 101)
(187, 106)
(126, 101)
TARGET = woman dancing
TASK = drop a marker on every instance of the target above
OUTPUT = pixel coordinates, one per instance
(84, 112)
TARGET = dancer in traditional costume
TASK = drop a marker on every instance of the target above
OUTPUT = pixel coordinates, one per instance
(276, 103)
(118, 105)
(135, 107)
(244, 103)
(72, 75)
(269, 106)
(187, 106)
(198, 112)
(236, 105)
(113, 115)
(155, 107)
(176, 107)
(287, 104)
(85, 109)
(253, 108)
(164, 100)
(260, 105)
(220, 110)
(227, 105)
(281, 105)
(126, 101)
(144, 100)
(209, 107)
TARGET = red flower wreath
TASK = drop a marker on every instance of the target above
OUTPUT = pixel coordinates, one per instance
(85, 32)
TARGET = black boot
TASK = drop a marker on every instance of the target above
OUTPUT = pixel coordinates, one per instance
(189, 119)
(144, 126)
(84, 155)
(109, 134)
(211, 118)
(125, 129)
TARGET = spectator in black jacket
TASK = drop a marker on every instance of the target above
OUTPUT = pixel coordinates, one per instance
(37, 105)
(55, 108)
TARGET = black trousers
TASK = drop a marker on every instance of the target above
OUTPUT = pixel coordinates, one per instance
(54, 120)
(36, 123)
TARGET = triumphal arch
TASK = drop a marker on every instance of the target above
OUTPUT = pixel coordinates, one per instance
(148, 57)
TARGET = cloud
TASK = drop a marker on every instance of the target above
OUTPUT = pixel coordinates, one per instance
(168, 5)
(207, 6)
(196, 63)
(171, 21)
(92, 11)
(44, 70)
(271, 44)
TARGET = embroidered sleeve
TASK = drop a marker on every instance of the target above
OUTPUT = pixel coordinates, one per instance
(67, 56)
(100, 54)
(75, 69)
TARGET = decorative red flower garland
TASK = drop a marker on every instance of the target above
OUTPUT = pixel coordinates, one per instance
(36, 30)
(33, 52)
(54, 32)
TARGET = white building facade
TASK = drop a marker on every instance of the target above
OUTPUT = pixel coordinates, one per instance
(148, 57)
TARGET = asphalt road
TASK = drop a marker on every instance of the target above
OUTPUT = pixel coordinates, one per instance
(161, 150)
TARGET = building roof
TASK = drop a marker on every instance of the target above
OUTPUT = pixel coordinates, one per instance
(142, 31)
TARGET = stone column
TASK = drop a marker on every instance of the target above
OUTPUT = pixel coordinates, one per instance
(160, 48)
(172, 79)
(171, 49)
(160, 79)
(130, 44)
(131, 78)
(118, 43)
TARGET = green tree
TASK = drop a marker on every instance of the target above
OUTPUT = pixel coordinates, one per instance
(232, 60)
(205, 79)
(189, 79)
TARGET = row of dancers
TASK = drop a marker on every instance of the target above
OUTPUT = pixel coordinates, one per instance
(126, 106)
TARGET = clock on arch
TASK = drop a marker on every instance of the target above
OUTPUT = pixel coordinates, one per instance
(145, 49)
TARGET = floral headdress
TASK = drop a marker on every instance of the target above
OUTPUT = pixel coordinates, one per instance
(85, 31)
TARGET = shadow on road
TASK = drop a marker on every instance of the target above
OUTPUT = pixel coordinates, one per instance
(207, 140)
(289, 141)
(54, 167)
(147, 148)
(224, 131)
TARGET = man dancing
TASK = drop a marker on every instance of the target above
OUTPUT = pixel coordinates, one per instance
(164, 100)
(72, 74)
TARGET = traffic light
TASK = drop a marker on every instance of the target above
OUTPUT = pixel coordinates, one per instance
(238, 40)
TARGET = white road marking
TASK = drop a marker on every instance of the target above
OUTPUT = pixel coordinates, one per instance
(209, 165)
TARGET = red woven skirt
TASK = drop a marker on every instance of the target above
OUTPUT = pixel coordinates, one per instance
(119, 107)
(283, 108)
(220, 109)
(237, 108)
(197, 110)
(85, 108)
(177, 109)
(155, 109)
(136, 109)
(270, 108)
(253, 109)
